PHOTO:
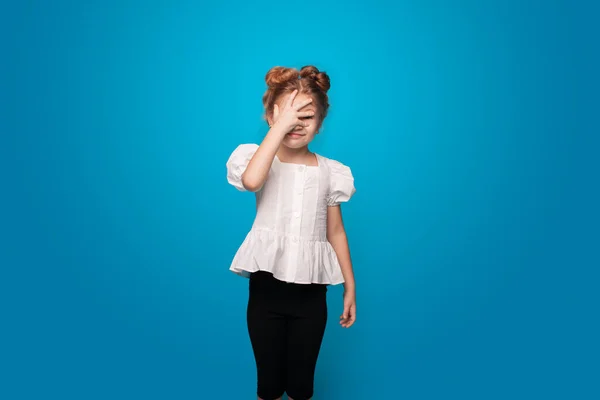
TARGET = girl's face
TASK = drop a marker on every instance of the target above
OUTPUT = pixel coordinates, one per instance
(302, 135)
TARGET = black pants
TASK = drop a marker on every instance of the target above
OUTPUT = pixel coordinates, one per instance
(286, 323)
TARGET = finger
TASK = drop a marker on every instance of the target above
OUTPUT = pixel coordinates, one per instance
(303, 103)
(290, 100)
(301, 114)
(351, 321)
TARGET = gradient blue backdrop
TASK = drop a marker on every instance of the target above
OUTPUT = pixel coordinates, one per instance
(471, 128)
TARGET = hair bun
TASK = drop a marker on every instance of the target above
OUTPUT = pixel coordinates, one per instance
(320, 78)
(278, 76)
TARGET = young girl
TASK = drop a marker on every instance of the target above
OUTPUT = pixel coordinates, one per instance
(297, 245)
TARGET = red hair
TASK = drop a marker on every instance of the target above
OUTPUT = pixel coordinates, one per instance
(308, 80)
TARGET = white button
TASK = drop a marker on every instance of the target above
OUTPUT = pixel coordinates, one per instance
(295, 239)
(301, 168)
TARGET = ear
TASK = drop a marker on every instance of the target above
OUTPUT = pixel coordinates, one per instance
(275, 112)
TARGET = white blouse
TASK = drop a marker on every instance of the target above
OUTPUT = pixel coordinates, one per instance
(289, 235)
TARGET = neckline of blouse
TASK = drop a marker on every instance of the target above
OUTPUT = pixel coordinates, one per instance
(317, 156)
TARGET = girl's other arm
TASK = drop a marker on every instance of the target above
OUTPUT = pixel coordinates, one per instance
(336, 235)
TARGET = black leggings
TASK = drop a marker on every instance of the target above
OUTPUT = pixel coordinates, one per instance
(286, 323)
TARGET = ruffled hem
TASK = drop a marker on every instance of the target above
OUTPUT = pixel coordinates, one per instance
(268, 250)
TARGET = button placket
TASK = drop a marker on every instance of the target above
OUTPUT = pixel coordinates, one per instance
(296, 222)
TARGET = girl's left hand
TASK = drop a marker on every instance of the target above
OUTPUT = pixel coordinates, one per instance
(349, 315)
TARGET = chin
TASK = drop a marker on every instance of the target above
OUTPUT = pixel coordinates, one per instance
(293, 144)
(296, 144)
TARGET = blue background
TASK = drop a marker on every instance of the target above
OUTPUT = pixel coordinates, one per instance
(471, 128)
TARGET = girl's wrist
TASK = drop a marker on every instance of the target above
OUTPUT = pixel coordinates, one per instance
(276, 129)
(349, 288)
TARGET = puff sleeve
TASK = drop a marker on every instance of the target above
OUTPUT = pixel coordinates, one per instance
(237, 163)
(341, 183)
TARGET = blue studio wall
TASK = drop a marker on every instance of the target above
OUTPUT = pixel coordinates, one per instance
(471, 128)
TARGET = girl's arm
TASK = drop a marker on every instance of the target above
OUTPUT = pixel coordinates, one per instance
(336, 235)
(257, 170)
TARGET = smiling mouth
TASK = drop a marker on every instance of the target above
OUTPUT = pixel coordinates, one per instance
(295, 134)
